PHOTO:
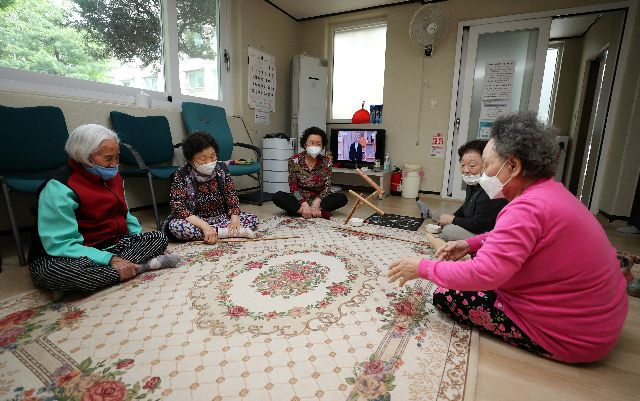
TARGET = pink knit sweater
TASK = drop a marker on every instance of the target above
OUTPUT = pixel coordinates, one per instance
(554, 271)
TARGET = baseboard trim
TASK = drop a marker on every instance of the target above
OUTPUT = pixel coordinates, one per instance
(429, 192)
(612, 217)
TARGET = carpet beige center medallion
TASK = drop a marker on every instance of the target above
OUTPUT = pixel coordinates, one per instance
(307, 318)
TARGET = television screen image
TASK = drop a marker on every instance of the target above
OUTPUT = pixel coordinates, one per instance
(357, 146)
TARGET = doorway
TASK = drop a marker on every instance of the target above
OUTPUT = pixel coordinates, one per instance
(574, 30)
(585, 150)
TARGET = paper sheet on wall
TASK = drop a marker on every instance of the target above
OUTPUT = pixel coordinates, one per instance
(261, 80)
(484, 131)
(494, 109)
(263, 116)
(498, 80)
(437, 145)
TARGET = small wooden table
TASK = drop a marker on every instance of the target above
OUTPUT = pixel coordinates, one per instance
(383, 176)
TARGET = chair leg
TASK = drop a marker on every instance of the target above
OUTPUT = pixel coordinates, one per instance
(14, 226)
(153, 200)
(261, 189)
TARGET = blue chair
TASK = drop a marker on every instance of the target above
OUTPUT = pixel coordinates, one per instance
(145, 142)
(33, 140)
(213, 120)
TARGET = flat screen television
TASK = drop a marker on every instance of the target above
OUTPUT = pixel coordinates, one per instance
(352, 148)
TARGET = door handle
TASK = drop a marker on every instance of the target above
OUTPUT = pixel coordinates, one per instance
(227, 60)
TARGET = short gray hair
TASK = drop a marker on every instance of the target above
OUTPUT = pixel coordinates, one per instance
(86, 140)
(521, 135)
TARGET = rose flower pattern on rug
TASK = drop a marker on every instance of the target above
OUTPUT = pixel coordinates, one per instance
(307, 318)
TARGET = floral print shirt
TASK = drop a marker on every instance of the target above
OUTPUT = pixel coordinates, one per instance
(306, 183)
(209, 198)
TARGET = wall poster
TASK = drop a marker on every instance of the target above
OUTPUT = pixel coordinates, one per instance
(261, 80)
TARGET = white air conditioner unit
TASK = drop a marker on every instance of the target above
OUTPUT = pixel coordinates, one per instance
(309, 94)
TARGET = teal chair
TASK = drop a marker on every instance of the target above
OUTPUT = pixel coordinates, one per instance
(33, 140)
(213, 121)
(146, 146)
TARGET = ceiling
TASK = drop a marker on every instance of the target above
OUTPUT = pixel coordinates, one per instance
(561, 27)
(572, 26)
(301, 9)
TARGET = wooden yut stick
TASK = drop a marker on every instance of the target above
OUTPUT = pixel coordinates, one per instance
(370, 181)
(371, 205)
(353, 209)
(382, 236)
(242, 239)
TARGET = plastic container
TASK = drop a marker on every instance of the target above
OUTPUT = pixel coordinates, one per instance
(411, 175)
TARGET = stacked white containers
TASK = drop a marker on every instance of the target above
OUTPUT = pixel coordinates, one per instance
(309, 94)
(275, 156)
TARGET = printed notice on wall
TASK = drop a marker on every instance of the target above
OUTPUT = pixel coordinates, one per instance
(263, 116)
(498, 80)
(261, 80)
(437, 145)
(485, 129)
(494, 109)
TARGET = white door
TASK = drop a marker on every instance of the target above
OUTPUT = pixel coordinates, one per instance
(501, 71)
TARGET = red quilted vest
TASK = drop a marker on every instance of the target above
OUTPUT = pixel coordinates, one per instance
(103, 211)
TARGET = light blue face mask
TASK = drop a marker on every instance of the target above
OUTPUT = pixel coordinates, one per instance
(106, 173)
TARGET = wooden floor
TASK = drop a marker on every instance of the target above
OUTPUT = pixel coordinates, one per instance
(504, 372)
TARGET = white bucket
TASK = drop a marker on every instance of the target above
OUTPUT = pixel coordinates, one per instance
(411, 176)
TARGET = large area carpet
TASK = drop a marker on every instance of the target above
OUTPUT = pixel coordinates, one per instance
(309, 318)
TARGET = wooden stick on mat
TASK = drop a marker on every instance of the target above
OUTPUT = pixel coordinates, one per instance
(370, 181)
(241, 239)
(382, 236)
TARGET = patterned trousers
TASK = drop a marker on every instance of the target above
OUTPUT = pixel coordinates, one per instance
(185, 231)
(477, 309)
(71, 274)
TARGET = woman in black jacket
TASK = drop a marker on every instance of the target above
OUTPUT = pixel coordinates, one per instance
(478, 213)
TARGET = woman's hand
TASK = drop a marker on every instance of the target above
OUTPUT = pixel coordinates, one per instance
(315, 208)
(210, 235)
(125, 268)
(234, 225)
(453, 250)
(404, 269)
(445, 219)
(305, 210)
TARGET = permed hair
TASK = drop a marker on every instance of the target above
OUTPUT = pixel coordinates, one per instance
(521, 135)
(85, 140)
(313, 131)
(196, 142)
(476, 145)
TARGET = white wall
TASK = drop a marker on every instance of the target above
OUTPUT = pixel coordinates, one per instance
(403, 76)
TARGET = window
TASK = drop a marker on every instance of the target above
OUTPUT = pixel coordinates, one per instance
(195, 79)
(151, 83)
(358, 68)
(107, 49)
(198, 47)
(549, 83)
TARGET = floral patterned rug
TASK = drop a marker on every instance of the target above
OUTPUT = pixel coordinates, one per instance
(308, 318)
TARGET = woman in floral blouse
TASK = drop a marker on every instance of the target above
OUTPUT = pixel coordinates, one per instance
(203, 199)
(310, 180)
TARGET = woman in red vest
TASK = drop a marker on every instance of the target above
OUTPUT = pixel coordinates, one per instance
(87, 239)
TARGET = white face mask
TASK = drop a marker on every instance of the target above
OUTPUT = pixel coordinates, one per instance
(472, 179)
(205, 169)
(314, 151)
(492, 185)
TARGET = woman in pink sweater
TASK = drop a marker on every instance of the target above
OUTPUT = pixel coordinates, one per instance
(546, 278)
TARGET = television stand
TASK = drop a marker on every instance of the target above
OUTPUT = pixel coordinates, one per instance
(384, 178)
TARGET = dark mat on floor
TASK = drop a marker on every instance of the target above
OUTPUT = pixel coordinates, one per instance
(395, 221)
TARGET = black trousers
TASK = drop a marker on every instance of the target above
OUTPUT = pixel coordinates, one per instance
(291, 205)
(71, 274)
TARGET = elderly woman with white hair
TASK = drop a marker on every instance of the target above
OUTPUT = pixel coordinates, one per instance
(87, 239)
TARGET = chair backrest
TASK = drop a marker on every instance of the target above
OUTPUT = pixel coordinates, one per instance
(150, 136)
(213, 121)
(33, 138)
